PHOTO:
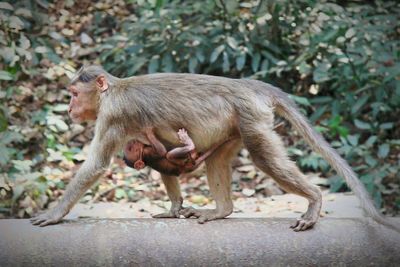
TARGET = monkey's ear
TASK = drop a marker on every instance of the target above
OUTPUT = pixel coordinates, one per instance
(101, 82)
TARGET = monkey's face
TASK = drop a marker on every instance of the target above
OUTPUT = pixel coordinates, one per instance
(84, 102)
(133, 150)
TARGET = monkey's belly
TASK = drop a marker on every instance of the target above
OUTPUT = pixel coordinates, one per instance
(203, 137)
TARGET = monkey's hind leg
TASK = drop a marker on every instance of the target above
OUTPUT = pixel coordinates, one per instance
(269, 154)
(219, 180)
(174, 193)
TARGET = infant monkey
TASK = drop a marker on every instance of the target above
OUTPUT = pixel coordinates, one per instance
(175, 162)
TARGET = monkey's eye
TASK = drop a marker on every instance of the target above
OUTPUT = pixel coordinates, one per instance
(75, 94)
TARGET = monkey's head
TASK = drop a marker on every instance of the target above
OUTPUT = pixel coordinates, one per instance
(85, 88)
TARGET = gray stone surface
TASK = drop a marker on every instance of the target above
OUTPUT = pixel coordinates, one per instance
(183, 242)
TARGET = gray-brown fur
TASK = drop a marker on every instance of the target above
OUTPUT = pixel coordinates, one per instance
(212, 109)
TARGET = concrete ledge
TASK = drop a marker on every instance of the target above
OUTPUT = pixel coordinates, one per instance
(183, 242)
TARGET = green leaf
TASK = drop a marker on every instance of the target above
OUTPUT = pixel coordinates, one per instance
(378, 198)
(53, 57)
(6, 76)
(304, 68)
(295, 151)
(343, 131)
(335, 122)
(192, 64)
(41, 49)
(58, 123)
(54, 155)
(139, 63)
(215, 54)
(16, 23)
(240, 61)
(167, 63)
(368, 181)
(17, 192)
(371, 161)
(159, 4)
(10, 136)
(154, 65)
(255, 63)
(371, 140)
(24, 42)
(320, 74)
(3, 121)
(362, 125)
(120, 193)
(226, 64)
(395, 142)
(200, 56)
(300, 100)
(321, 100)
(24, 12)
(318, 113)
(231, 5)
(383, 151)
(353, 139)
(22, 165)
(336, 183)
(5, 5)
(350, 33)
(398, 202)
(232, 42)
(359, 104)
(32, 176)
(5, 154)
(264, 65)
(60, 108)
(386, 126)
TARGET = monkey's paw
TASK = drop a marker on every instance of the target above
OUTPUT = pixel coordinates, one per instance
(47, 218)
(173, 213)
(168, 214)
(183, 136)
(303, 224)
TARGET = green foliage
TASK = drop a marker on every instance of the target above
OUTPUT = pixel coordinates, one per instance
(340, 63)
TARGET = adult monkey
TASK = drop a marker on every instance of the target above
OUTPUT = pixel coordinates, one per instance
(212, 110)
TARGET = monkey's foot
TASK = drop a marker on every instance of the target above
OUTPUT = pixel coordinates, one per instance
(303, 224)
(47, 218)
(309, 218)
(202, 215)
(184, 137)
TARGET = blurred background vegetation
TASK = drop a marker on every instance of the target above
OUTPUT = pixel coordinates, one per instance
(339, 59)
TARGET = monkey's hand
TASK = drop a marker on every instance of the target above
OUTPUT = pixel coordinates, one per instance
(139, 164)
(172, 213)
(50, 217)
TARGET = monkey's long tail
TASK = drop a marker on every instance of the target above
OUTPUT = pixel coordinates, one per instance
(286, 108)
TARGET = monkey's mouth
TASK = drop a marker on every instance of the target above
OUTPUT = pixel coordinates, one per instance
(75, 118)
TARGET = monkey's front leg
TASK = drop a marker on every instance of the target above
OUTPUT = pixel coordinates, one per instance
(102, 148)
(174, 193)
(84, 178)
